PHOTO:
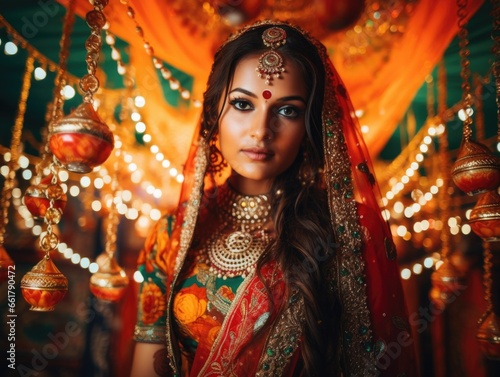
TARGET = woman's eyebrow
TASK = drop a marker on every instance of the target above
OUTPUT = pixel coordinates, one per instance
(292, 98)
(244, 91)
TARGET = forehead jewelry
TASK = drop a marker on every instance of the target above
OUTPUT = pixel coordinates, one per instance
(267, 94)
(271, 62)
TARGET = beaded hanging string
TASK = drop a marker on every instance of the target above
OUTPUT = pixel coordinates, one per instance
(15, 145)
(158, 64)
(49, 240)
(478, 101)
(115, 53)
(61, 76)
(487, 280)
(465, 72)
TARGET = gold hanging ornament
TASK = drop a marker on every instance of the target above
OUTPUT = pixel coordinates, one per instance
(485, 216)
(110, 280)
(44, 286)
(37, 202)
(15, 149)
(81, 140)
(476, 169)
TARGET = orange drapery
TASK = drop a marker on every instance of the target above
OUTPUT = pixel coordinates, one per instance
(382, 88)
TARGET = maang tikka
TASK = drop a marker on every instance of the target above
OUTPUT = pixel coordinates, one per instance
(271, 62)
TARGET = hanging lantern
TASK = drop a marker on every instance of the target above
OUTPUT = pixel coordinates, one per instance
(446, 283)
(36, 200)
(44, 286)
(476, 169)
(110, 281)
(488, 336)
(81, 140)
(485, 216)
(338, 14)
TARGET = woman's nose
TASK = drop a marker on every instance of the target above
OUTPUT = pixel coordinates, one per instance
(262, 126)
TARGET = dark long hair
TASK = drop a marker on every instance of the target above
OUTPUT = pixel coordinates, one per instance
(304, 239)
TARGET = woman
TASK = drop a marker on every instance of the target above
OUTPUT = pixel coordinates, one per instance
(278, 262)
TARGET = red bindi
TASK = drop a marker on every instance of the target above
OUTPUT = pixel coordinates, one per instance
(267, 94)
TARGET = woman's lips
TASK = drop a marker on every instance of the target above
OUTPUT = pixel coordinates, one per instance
(258, 154)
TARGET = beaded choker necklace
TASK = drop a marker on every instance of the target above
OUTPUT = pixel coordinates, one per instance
(234, 249)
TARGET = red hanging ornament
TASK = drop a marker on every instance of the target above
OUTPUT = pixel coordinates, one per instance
(476, 169)
(81, 140)
(36, 200)
(44, 286)
(110, 281)
(447, 284)
(485, 216)
(488, 336)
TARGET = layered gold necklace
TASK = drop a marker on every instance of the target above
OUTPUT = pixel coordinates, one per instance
(234, 249)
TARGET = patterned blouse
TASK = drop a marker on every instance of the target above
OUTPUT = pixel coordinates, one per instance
(201, 302)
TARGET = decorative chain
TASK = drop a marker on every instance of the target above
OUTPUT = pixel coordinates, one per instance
(54, 191)
(96, 20)
(443, 155)
(487, 280)
(478, 102)
(15, 146)
(465, 72)
(158, 64)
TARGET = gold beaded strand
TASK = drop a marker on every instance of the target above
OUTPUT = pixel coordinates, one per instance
(15, 145)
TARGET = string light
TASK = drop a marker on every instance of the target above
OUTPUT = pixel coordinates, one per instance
(40, 73)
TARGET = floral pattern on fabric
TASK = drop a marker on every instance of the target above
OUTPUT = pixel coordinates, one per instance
(151, 316)
(153, 304)
(200, 304)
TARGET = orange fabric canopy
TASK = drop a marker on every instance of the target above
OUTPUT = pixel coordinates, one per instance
(382, 82)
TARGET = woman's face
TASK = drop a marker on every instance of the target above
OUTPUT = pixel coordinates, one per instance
(262, 126)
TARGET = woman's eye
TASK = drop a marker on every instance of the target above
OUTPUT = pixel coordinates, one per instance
(289, 111)
(241, 104)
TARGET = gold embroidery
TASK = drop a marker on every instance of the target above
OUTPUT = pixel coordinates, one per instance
(149, 334)
(186, 235)
(356, 332)
(283, 339)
